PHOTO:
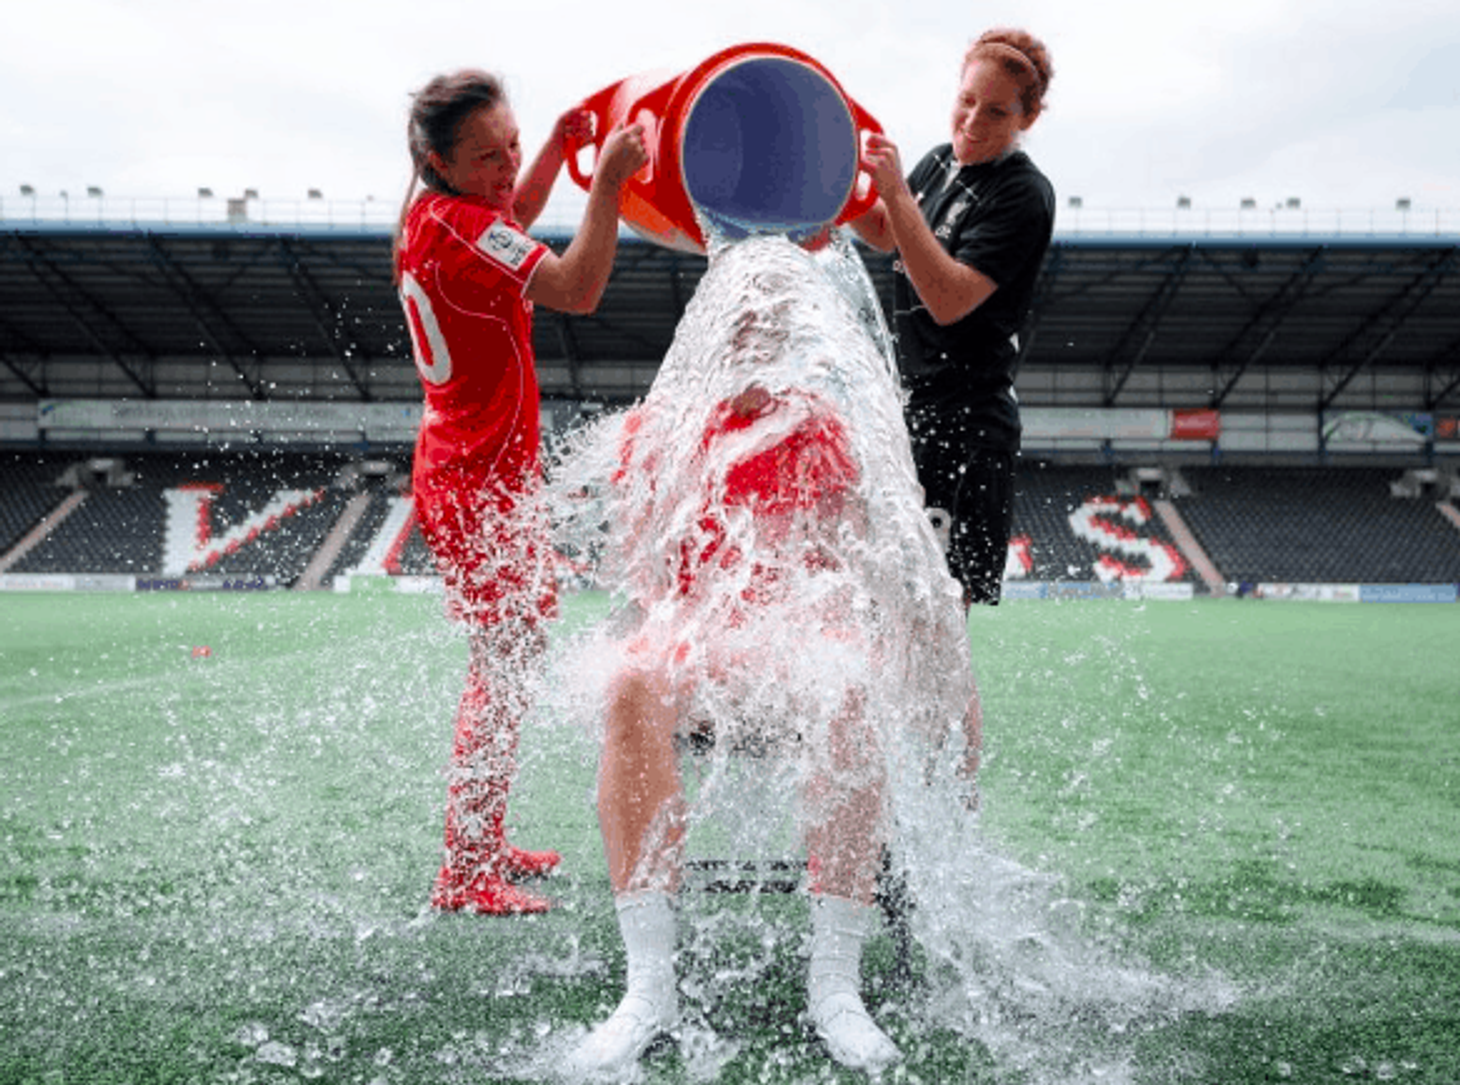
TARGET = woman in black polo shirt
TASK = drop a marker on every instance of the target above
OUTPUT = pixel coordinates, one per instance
(971, 225)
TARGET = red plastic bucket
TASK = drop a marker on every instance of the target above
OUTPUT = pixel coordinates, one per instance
(759, 138)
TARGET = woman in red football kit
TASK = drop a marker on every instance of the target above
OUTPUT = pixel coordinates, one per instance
(469, 276)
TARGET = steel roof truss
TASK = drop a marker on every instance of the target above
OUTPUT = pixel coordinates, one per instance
(1374, 334)
(1442, 376)
(87, 312)
(1233, 360)
(205, 310)
(1044, 288)
(24, 374)
(327, 318)
(571, 352)
(1131, 349)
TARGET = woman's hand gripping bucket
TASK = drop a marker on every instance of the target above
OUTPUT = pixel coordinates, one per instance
(757, 139)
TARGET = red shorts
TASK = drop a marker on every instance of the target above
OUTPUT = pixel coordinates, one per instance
(494, 553)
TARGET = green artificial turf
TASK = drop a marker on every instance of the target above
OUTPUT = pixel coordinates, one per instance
(215, 864)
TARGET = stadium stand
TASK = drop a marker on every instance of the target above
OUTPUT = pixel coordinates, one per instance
(1318, 525)
(251, 515)
(384, 540)
(355, 548)
(266, 515)
(28, 482)
(1073, 515)
(117, 531)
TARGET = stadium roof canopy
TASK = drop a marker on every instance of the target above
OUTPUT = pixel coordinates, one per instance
(243, 312)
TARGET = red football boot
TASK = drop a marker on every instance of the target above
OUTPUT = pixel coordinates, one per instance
(486, 894)
(517, 863)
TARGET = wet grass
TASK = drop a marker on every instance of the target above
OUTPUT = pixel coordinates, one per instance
(213, 866)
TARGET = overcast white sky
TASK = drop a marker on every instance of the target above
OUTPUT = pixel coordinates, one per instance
(1344, 103)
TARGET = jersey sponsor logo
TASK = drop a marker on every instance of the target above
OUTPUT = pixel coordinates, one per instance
(506, 246)
(951, 217)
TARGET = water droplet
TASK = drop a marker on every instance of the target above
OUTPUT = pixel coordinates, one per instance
(277, 1054)
(251, 1035)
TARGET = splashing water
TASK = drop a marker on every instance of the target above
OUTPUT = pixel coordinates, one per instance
(799, 332)
(777, 606)
(774, 603)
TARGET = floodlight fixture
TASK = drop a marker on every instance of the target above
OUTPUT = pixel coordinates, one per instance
(27, 190)
(250, 194)
(205, 193)
(1402, 204)
(1077, 202)
(93, 191)
(1183, 202)
(316, 194)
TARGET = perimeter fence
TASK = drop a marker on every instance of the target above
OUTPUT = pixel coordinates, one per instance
(564, 212)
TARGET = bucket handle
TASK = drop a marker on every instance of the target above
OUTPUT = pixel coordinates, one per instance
(598, 107)
(859, 205)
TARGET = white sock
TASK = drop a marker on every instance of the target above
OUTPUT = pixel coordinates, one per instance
(834, 986)
(646, 921)
(651, 1001)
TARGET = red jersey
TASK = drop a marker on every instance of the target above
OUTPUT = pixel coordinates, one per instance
(809, 470)
(809, 466)
(464, 274)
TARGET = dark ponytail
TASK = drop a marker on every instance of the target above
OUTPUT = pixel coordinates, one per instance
(437, 110)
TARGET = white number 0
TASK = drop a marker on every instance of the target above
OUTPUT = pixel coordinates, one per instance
(433, 359)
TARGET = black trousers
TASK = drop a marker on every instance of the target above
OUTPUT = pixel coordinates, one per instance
(969, 494)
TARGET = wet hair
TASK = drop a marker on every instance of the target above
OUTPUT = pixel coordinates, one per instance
(437, 111)
(1023, 56)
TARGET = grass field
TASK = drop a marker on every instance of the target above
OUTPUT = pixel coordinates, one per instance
(215, 865)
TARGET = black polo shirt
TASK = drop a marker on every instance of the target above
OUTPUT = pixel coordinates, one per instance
(996, 217)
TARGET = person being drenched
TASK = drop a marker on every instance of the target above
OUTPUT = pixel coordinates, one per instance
(784, 597)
